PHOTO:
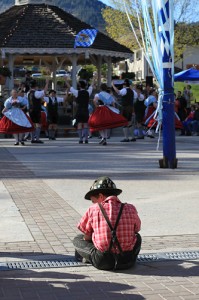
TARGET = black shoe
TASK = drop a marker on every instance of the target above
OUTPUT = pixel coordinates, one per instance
(104, 143)
(16, 144)
(139, 137)
(133, 140)
(38, 142)
(86, 141)
(124, 141)
(150, 136)
(80, 142)
(53, 139)
(101, 142)
(79, 258)
(22, 143)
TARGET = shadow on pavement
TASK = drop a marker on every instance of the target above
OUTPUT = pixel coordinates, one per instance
(166, 268)
(53, 285)
(33, 255)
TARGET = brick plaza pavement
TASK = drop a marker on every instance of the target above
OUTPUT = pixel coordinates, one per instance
(51, 220)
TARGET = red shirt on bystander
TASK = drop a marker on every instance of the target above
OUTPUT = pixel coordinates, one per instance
(94, 225)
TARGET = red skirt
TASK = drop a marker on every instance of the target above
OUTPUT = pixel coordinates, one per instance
(152, 123)
(104, 118)
(44, 123)
(7, 126)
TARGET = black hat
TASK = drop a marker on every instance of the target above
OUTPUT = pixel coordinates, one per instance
(127, 82)
(52, 91)
(103, 185)
(33, 83)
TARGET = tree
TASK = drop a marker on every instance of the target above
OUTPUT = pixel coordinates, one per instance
(185, 35)
(118, 26)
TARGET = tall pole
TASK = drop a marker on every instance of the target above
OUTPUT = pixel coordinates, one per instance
(169, 145)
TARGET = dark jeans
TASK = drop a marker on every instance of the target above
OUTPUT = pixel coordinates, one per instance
(106, 260)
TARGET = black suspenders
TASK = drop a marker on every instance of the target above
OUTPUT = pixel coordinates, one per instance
(114, 239)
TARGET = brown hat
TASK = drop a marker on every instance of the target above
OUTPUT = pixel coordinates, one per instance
(103, 185)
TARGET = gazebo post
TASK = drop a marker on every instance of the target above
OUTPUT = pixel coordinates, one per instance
(109, 72)
(74, 70)
(99, 70)
(11, 67)
(54, 81)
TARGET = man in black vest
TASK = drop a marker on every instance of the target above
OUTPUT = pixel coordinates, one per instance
(128, 95)
(52, 112)
(82, 113)
(35, 100)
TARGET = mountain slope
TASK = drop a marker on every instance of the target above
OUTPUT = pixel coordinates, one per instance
(88, 11)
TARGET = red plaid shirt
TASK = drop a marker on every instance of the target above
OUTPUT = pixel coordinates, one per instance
(94, 224)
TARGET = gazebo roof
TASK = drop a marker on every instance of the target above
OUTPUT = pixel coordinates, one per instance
(40, 29)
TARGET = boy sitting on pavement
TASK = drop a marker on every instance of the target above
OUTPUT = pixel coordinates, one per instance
(110, 238)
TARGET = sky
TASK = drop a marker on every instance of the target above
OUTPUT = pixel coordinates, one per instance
(107, 2)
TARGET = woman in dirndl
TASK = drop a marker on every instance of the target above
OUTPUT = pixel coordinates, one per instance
(150, 121)
(151, 105)
(106, 116)
(15, 121)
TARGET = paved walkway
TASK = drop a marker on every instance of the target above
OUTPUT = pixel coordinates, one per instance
(41, 200)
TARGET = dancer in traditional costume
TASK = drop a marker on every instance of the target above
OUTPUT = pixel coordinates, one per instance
(151, 105)
(128, 96)
(82, 113)
(35, 102)
(15, 121)
(106, 116)
(150, 122)
(52, 102)
(139, 110)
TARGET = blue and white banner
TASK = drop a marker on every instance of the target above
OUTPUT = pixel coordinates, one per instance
(85, 38)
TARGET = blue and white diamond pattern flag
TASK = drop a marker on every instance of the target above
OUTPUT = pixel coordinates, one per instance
(85, 38)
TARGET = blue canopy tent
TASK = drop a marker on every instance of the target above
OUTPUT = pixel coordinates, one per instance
(187, 75)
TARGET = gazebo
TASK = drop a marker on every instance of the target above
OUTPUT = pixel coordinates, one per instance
(39, 31)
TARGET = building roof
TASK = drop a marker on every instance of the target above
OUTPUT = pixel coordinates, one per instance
(42, 29)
